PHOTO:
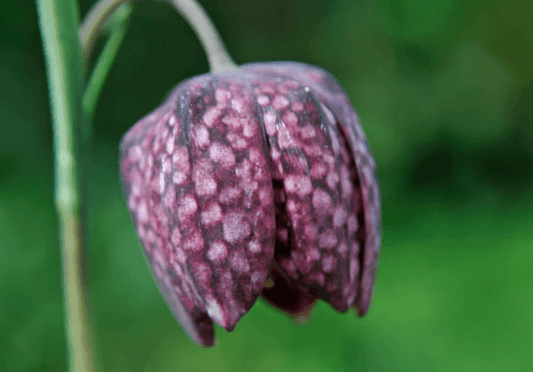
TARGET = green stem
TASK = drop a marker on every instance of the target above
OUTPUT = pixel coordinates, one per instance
(105, 61)
(58, 23)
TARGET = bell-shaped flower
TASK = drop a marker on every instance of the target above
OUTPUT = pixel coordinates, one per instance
(254, 181)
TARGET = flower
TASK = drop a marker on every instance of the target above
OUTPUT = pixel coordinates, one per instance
(254, 181)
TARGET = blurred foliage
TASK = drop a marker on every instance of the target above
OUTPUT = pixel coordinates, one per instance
(444, 89)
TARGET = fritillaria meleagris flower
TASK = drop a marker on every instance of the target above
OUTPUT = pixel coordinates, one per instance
(254, 181)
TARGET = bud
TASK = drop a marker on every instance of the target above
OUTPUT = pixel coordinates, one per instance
(254, 181)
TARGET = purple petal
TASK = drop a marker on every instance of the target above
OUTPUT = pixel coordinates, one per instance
(331, 94)
(231, 186)
(327, 86)
(317, 209)
(140, 181)
(199, 188)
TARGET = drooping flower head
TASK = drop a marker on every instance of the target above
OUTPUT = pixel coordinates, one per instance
(254, 181)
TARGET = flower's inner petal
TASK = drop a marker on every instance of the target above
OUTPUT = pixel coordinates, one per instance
(315, 191)
(141, 172)
(285, 295)
(220, 197)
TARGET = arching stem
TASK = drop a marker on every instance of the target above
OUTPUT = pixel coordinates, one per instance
(217, 55)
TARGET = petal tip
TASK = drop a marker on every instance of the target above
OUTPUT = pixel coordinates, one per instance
(362, 308)
(222, 316)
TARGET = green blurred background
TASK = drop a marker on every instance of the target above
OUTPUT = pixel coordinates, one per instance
(444, 89)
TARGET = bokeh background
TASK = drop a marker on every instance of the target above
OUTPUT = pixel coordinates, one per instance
(444, 89)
